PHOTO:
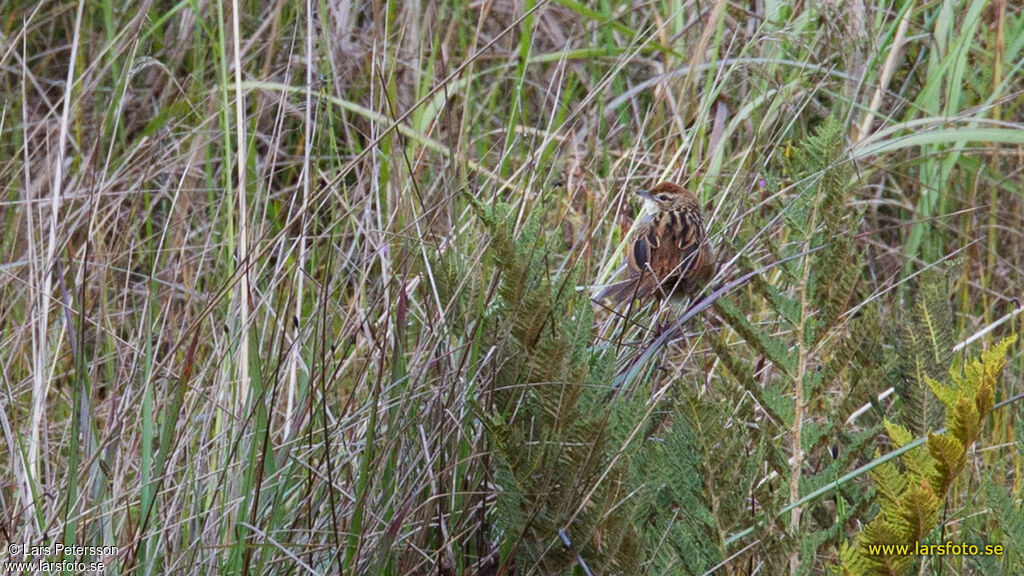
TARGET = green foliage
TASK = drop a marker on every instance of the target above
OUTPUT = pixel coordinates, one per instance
(694, 475)
(558, 476)
(924, 351)
(800, 323)
(587, 476)
(367, 376)
(675, 510)
(910, 499)
(1007, 525)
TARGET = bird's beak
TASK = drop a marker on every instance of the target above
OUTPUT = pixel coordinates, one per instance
(643, 193)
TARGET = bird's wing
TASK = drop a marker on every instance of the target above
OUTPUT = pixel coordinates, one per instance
(640, 254)
(681, 232)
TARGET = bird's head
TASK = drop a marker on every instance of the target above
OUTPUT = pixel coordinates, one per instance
(667, 197)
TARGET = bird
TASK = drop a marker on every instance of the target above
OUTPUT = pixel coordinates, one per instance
(670, 255)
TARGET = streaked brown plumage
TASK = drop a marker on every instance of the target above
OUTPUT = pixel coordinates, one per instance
(670, 255)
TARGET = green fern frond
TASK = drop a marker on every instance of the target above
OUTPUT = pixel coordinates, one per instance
(979, 379)
(837, 290)
(919, 510)
(917, 460)
(924, 350)
(889, 481)
(743, 375)
(558, 477)
(946, 394)
(950, 458)
(910, 500)
(774, 349)
(822, 162)
(676, 514)
(1010, 525)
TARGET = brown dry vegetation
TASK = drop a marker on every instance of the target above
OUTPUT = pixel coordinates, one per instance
(251, 321)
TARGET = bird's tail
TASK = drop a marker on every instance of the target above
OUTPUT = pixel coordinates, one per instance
(618, 292)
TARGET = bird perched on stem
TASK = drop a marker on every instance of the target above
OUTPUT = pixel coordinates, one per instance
(670, 255)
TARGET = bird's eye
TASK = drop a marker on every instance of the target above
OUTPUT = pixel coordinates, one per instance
(662, 197)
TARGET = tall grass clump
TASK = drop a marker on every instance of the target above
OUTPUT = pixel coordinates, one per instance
(305, 287)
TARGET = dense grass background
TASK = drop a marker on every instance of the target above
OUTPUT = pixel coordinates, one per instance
(229, 230)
